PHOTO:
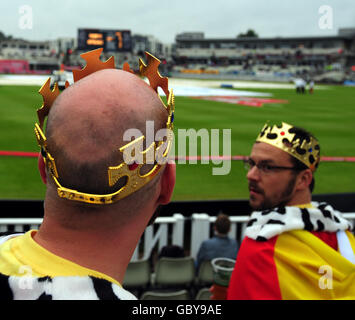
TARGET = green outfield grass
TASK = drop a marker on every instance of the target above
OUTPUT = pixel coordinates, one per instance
(329, 114)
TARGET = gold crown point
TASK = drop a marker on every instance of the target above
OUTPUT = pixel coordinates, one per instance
(150, 70)
(48, 96)
(93, 64)
(127, 68)
(281, 137)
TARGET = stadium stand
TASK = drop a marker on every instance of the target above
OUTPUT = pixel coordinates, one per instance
(271, 59)
(328, 58)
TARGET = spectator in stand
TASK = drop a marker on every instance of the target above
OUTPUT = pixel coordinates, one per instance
(220, 245)
(172, 251)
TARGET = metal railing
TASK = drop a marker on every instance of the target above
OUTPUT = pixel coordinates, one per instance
(164, 231)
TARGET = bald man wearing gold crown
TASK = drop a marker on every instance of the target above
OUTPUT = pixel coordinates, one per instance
(102, 188)
(293, 248)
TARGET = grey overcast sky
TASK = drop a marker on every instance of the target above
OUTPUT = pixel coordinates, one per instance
(164, 19)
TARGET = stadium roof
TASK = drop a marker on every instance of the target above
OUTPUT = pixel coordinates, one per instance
(256, 39)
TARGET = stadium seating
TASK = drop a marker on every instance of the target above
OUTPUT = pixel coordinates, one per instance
(205, 274)
(172, 295)
(203, 294)
(137, 276)
(174, 272)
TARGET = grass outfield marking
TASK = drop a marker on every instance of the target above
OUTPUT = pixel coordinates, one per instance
(245, 101)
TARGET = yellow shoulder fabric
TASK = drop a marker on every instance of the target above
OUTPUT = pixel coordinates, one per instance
(306, 205)
(21, 256)
(309, 269)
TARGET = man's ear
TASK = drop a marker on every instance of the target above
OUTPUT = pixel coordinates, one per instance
(42, 168)
(167, 183)
(304, 179)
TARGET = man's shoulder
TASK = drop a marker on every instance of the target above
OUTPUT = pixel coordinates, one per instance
(59, 288)
(257, 248)
(209, 241)
(8, 235)
(215, 240)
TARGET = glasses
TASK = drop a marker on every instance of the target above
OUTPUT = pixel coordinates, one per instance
(264, 167)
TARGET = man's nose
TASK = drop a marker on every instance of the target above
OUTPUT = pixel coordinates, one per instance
(253, 174)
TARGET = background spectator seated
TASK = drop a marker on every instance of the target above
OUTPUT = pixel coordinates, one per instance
(172, 251)
(220, 245)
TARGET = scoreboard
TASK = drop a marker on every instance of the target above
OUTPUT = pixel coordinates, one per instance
(110, 40)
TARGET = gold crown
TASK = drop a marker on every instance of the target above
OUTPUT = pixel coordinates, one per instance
(284, 137)
(133, 160)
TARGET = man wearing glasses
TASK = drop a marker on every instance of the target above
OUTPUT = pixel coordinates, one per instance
(293, 248)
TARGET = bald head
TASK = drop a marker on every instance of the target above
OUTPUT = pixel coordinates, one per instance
(87, 122)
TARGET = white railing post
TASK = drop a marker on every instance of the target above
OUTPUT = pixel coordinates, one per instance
(149, 241)
(161, 236)
(135, 253)
(233, 230)
(19, 223)
(200, 231)
(19, 228)
(178, 230)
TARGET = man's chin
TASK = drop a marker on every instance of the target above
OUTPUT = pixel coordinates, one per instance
(259, 204)
(256, 208)
(254, 204)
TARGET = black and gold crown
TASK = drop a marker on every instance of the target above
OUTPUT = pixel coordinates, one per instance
(285, 137)
(133, 161)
